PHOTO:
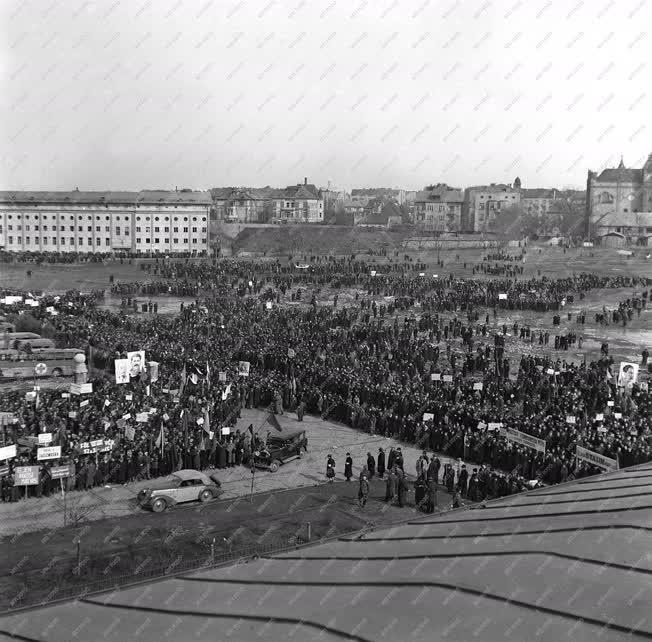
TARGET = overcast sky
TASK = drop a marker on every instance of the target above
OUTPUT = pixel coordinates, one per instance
(126, 94)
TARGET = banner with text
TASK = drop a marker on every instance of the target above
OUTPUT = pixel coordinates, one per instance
(524, 439)
(606, 463)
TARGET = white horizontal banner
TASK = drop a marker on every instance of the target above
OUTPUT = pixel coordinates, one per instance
(524, 439)
(606, 463)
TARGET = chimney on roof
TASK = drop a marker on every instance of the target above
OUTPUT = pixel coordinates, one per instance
(305, 180)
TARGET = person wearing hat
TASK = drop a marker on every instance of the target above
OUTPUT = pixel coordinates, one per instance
(330, 469)
(462, 480)
(380, 463)
(348, 467)
(363, 492)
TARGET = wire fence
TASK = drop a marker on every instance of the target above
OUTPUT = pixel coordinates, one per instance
(75, 581)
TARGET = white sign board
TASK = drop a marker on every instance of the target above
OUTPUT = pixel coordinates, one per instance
(524, 439)
(50, 452)
(606, 463)
(8, 452)
(44, 438)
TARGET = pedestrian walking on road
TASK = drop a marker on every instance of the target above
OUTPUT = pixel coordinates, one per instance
(381, 463)
(348, 467)
(390, 486)
(363, 492)
(371, 465)
(330, 469)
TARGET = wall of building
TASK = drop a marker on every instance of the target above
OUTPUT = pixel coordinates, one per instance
(99, 228)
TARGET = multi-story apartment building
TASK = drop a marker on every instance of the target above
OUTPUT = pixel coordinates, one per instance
(105, 222)
(242, 204)
(439, 209)
(483, 204)
(619, 202)
(302, 203)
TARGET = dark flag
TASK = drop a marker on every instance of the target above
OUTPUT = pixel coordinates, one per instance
(273, 421)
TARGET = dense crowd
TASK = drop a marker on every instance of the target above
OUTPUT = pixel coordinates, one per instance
(376, 364)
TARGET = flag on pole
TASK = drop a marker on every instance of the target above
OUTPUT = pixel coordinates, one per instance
(273, 421)
(183, 380)
(208, 374)
(207, 423)
(184, 423)
(160, 440)
(226, 393)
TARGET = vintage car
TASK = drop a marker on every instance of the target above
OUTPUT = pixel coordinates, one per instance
(281, 449)
(179, 487)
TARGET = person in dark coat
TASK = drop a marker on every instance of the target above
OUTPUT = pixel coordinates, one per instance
(363, 491)
(390, 485)
(431, 490)
(221, 455)
(381, 463)
(301, 408)
(433, 469)
(449, 478)
(330, 469)
(348, 467)
(391, 458)
(401, 487)
(473, 491)
(371, 465)
(462, 480)
(398, 461)
(420, 497)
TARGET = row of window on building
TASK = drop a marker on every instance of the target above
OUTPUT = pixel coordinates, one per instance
(98, 242)
(44, 217)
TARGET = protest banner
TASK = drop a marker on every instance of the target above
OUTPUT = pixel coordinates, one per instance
(26, 476)
(373, 272)
(570, 419)
(142, 417)
(428, 416)
(130, 433)
(59, 472)
(481, 425)
(618, 415)
(599, 417)
(494, 425)
(121, 369)
(226, 430)
(136, 361)
(96, 443)
(129, 397)
(502, 296)
(610, 404)
(435, 376)
(268, 305)
(221, 376)
(7, 418)
(44, 438)
(8, 452)
(48, 452)
(591, 457)
(83, 403)
(524, 439)
(627, 375)
(81, 388)
(477, 386)
(153, 371)
(243, 368)
(448, 378)
(107, 445)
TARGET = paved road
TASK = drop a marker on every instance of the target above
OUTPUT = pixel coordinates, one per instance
(116, 501)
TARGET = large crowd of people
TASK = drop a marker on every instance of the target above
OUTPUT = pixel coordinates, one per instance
(426, 360)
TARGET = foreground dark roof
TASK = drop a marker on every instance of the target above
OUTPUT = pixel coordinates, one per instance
(569, 562)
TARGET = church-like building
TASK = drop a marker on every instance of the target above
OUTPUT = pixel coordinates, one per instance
(619, 205)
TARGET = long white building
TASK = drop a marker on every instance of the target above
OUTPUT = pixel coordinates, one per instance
(106, 222)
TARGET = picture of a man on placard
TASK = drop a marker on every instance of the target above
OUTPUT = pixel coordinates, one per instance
(628, 375)
(121, 370)
(136, 363)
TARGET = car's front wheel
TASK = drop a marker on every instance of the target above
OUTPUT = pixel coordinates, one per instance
(274, 466)
(205, 495)
(159, 505)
